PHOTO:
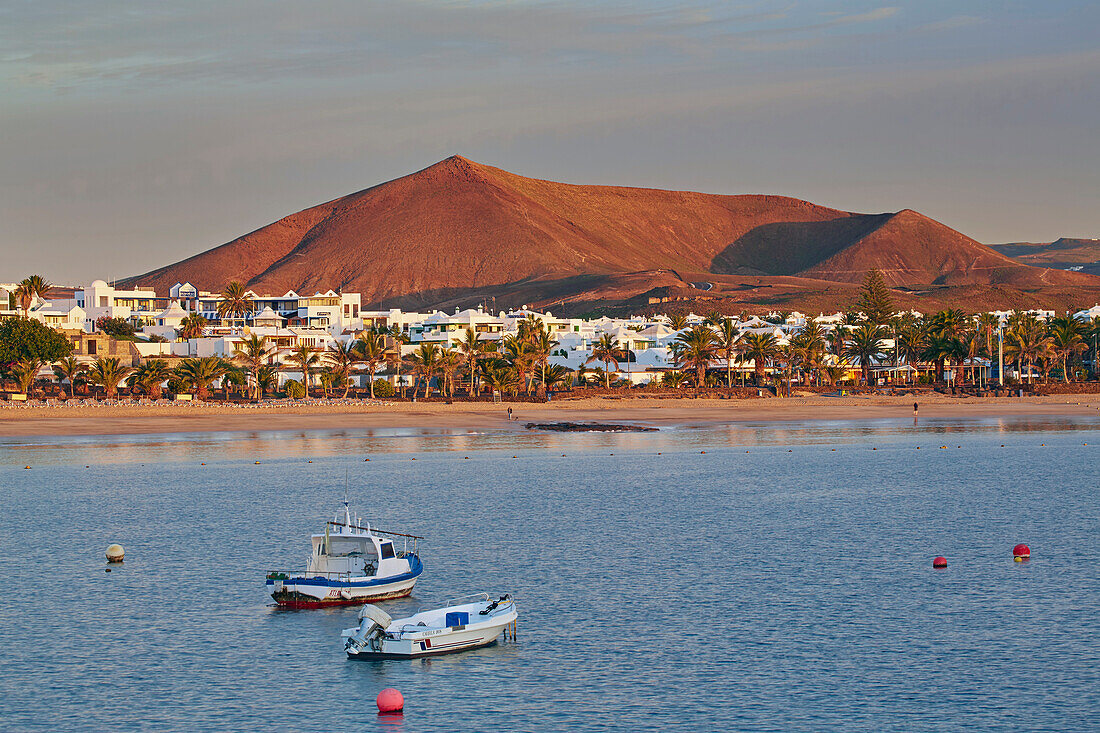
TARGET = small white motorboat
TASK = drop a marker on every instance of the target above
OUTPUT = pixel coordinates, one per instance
(350, 564)
(439, 631)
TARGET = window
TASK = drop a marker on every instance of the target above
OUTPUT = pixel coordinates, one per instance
(387, 550)
(103, 301)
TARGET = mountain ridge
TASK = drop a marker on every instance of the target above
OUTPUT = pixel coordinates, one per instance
(458, 226)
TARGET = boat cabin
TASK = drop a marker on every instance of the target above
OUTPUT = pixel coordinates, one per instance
(353, 551)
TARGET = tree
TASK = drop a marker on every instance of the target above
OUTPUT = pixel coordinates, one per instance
(25, 371)
(1067, 340)
(23, 338)
(520, 355)
(874, 299)
(865, 344)
(234, 377)
(192, 326)
(728, 343)
(252, 354)
(118, 328)
(808, 347)
(107, 372)
(472, 349)
(306, 360)
(371, 350)
(235, 302)
(68, 368)
(149, 377)
(449, 362)
(267, 379)
(557, 375)
(606, 350)
(677, 321)
(542, 344)
(342, 359)
(294, 389)
(199, 374)
(698, 348)
(23, 297)
(672, 379)
(425, 360)
(1026, 341)
(761, 348)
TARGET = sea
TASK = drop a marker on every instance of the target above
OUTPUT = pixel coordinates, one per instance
(744, 577)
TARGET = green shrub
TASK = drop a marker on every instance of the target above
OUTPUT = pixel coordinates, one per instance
(294, 389)
(382, 388)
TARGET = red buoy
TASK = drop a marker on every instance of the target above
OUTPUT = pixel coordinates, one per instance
(390, 701)
(1021, 552)
(939, 562)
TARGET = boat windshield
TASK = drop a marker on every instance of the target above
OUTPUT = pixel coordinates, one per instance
(350, 547)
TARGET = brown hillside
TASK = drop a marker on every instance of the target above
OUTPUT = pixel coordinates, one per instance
(459, 231)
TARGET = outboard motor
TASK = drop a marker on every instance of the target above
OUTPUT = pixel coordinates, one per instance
(373, 621)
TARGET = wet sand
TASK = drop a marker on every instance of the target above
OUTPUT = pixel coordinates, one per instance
(177, 418)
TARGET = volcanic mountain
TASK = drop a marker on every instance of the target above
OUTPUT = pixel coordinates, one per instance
(460, 232)
(1082, 255)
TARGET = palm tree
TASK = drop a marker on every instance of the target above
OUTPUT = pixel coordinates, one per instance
(472, 349)
(1026, 341)
(606, 350)
(38, 285)
(761, 348)
(343, 357)
(911, 343)
(371, 350)
(672, 379)
(234, 377)
(555, 375)
(149, 376)
(192, 326)
(520, 355)
(107, 372)
(24, 296)
(199, 374)
(698, 348)
(253, 353)
(865, 344)
(25, 372)
(677, 321)
(728, 344)
(1067, 340)
(425, 360)
(267, 379)
(809, 346)
(987, 326)
(71, 369)
(235, 302)
(542, 344)
(306, 359)
(449, 362)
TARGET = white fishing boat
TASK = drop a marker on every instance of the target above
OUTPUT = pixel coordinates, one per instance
(351, 563)
(440, 631)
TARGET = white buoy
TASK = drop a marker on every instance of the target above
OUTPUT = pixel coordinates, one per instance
(115, 553)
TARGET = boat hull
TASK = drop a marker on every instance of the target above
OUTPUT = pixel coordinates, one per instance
(413, 643)
(288, 598)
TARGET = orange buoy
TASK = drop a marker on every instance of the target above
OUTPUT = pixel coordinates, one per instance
(390, 700)
(939, 562)
(1021, 552)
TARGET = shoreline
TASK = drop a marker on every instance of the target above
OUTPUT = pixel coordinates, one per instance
(62, 421)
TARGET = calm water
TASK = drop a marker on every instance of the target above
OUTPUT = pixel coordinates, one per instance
(780, 581)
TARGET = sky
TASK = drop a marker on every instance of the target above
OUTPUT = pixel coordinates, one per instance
(133, 135)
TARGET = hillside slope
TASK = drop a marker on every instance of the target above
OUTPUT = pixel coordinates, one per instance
(460, 229)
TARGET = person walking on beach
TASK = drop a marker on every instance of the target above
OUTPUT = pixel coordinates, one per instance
(509, 413)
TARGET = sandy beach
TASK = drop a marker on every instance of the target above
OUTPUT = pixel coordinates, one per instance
(144, 419)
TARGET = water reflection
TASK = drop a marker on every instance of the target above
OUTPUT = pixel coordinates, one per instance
(382, 444)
